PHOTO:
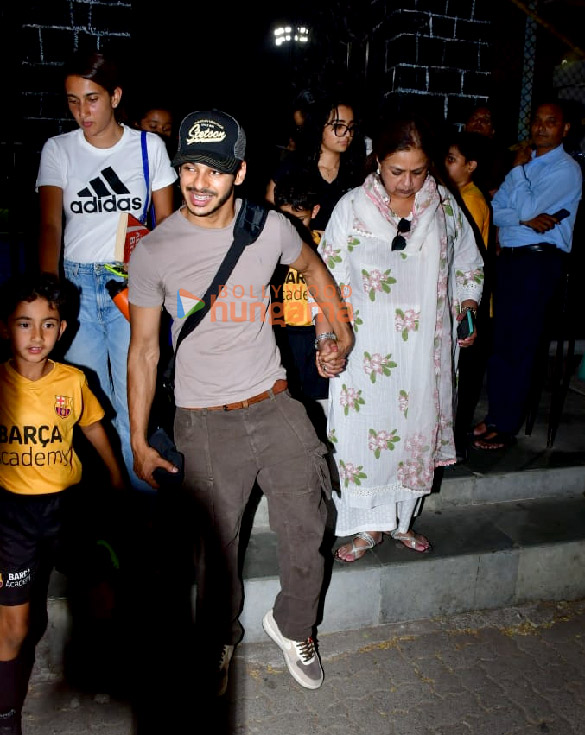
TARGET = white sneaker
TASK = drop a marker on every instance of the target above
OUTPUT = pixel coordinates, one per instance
(224, 664)
(301, 657)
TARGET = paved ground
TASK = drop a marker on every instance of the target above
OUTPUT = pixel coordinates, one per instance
(517, 671)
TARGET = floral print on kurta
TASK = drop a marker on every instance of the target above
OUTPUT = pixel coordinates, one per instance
(390, 412)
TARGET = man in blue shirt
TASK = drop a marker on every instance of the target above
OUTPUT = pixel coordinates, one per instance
(534, 210)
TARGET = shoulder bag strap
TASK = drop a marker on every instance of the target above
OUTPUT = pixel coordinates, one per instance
(248, 226)
(146, 170)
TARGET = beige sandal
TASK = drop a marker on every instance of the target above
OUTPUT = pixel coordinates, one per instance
(411, 540)
(359, 549)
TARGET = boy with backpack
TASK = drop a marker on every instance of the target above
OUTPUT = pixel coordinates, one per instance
(297, 195)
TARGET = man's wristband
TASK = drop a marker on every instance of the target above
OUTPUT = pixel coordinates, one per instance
(324, 335)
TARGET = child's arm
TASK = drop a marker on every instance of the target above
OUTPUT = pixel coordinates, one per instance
(96, 434)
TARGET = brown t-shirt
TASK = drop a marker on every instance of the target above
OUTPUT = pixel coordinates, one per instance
(232, 354)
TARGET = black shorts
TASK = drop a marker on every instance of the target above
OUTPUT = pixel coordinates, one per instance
(29, 535)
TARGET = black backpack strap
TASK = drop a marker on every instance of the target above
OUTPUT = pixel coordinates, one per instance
(251, 220)
(248, 226)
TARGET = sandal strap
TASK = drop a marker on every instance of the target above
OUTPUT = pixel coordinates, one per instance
(411, 541)
(397, 535)
(365, 536)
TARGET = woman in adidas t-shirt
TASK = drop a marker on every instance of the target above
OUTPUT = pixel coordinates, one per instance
(93, 175)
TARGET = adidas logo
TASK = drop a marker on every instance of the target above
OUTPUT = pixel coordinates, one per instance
(97, 197)
(187, 303)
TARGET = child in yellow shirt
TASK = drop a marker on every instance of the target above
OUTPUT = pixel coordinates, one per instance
(296, 195)
(463, 164)
(41, 402)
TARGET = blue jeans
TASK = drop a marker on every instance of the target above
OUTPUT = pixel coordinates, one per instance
(100, 345)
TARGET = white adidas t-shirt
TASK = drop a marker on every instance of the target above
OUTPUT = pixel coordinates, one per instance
(98, 184)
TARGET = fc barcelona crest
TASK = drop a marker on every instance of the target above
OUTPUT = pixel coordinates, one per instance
(63, 406)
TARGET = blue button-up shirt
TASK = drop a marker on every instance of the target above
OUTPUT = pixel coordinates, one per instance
(545, 184)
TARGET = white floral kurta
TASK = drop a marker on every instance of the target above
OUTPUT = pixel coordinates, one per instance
(390, 416)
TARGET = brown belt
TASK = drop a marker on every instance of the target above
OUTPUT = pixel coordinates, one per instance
(278, 387)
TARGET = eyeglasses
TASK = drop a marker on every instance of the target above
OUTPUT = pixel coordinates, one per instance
(399, 243)
(340, 129)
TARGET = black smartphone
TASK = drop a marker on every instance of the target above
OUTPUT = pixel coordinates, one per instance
(465, 326)
(163, 444)
(561, 214)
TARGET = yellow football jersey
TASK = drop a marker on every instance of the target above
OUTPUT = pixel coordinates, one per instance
(37, 418)
(295, 296)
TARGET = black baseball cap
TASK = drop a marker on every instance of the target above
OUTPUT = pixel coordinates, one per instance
(211, 137)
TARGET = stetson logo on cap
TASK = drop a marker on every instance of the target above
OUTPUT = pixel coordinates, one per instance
(213, 138)
(205, 131)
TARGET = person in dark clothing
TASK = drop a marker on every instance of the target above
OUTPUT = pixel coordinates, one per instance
(329, 145)
(297, 195)
(499, 158)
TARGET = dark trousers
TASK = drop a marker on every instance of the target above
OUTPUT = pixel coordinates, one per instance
(297, 349)
(524, 301)
(471, 372)
(274, 444)
(198, 530)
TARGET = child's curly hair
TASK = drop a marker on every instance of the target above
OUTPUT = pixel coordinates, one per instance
(31, 286)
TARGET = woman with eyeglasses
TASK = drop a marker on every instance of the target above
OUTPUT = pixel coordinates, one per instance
(406, 260)
(329, 144)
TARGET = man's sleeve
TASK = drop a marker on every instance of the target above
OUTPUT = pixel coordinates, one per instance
(291, 242)
(144, 284)
(527, 199)
(504, 209)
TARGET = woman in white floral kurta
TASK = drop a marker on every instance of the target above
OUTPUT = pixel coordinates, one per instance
(391, 411)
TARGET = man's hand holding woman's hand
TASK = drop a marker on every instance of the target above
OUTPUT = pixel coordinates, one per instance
(331, 358)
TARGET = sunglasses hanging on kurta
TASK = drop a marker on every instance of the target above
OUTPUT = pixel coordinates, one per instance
(399, 243)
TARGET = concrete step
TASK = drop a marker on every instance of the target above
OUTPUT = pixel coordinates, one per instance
(484, 556)
(456, 487)
(528, 470)
(506, 528)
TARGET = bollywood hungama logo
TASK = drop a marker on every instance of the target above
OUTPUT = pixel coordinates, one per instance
(239, 304)
(187, 303)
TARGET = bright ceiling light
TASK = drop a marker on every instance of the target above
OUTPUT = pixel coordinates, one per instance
(286, 34)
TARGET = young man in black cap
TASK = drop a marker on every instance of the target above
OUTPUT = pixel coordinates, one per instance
(235, 421)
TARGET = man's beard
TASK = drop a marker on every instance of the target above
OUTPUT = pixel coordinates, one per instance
(219, 204)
